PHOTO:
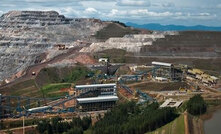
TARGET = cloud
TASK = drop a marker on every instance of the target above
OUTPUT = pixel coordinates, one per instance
(169, 4)
(218, 6)
(144, 13)
(90, 10)
(195, 16)
(113, 13)
(133, 2)
(137, 11)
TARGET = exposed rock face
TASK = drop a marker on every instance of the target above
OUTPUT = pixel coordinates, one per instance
(130, 43)
(195, 44)
(26, 35)
(32, 18)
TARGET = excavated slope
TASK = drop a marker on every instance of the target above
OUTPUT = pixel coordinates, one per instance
(130, 43)
(188, 44)
(25, 37)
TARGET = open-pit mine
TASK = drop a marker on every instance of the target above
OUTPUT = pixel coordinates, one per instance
(53, 66)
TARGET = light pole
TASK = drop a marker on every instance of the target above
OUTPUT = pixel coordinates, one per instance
(23, 124)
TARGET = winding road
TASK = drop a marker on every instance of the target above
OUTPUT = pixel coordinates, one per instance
(37, 67)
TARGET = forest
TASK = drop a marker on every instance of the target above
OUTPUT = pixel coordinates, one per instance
(125, 118)
(58, 126)
(130, 118)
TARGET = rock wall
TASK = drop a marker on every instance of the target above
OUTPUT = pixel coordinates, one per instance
(19, 19)
(130, 43)
(25, 35)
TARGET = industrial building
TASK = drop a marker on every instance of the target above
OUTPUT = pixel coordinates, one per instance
(201, 76)
(165, 71)
(96, 103)
(130, 77)
(171, 103)
(98, 97)
(97, 89)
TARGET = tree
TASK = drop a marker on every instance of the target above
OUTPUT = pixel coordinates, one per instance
(196, 105)
(86, 121)
(42, 126)
(49, 129)
(76, 122)
(75, 130)
(129, 118)
(55, 121)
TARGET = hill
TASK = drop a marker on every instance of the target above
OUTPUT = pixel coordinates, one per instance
(159, 27)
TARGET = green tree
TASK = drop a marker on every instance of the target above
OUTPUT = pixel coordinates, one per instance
(196, 105)
(76, 122)
(75, 130)
(55, 121)
(42, 126)
(49, 129)
(86, 121)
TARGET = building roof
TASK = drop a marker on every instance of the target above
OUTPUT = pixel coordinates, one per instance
(39, 108)
(95, 85)
(97, 99)
(171, 103)
(161, 78)
(214, 78)
(162, 64)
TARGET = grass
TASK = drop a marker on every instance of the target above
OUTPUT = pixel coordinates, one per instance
(27, 88)
(61, 75)
(183, 107)
(53, 90)
(156, 86)
(87, 131)
(175, 127)
(114, 55)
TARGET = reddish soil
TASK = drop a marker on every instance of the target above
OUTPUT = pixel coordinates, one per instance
(37, 67)
(64, 90)
(126, 94)
(70, 103)
(84, 59)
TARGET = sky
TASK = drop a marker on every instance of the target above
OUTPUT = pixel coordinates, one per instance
(178, 12)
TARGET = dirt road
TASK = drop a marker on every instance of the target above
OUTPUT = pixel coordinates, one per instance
(37, 67)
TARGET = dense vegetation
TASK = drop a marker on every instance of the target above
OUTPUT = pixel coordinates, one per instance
(150, 86)
(196, 105)
(176, 126)
(76, 74)
(130, 118)
(57, 126)
(61, 75)
(17, 123)
(53, 90)
(127, 118)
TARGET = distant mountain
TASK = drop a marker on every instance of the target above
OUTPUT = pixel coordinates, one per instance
(159, 27)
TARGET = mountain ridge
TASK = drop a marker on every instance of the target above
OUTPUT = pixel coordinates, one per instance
(159, 27)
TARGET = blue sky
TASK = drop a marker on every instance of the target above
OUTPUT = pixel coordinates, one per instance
(180, 12)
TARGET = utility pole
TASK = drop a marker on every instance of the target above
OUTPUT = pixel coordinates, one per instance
(23, 124)
(1, 108)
